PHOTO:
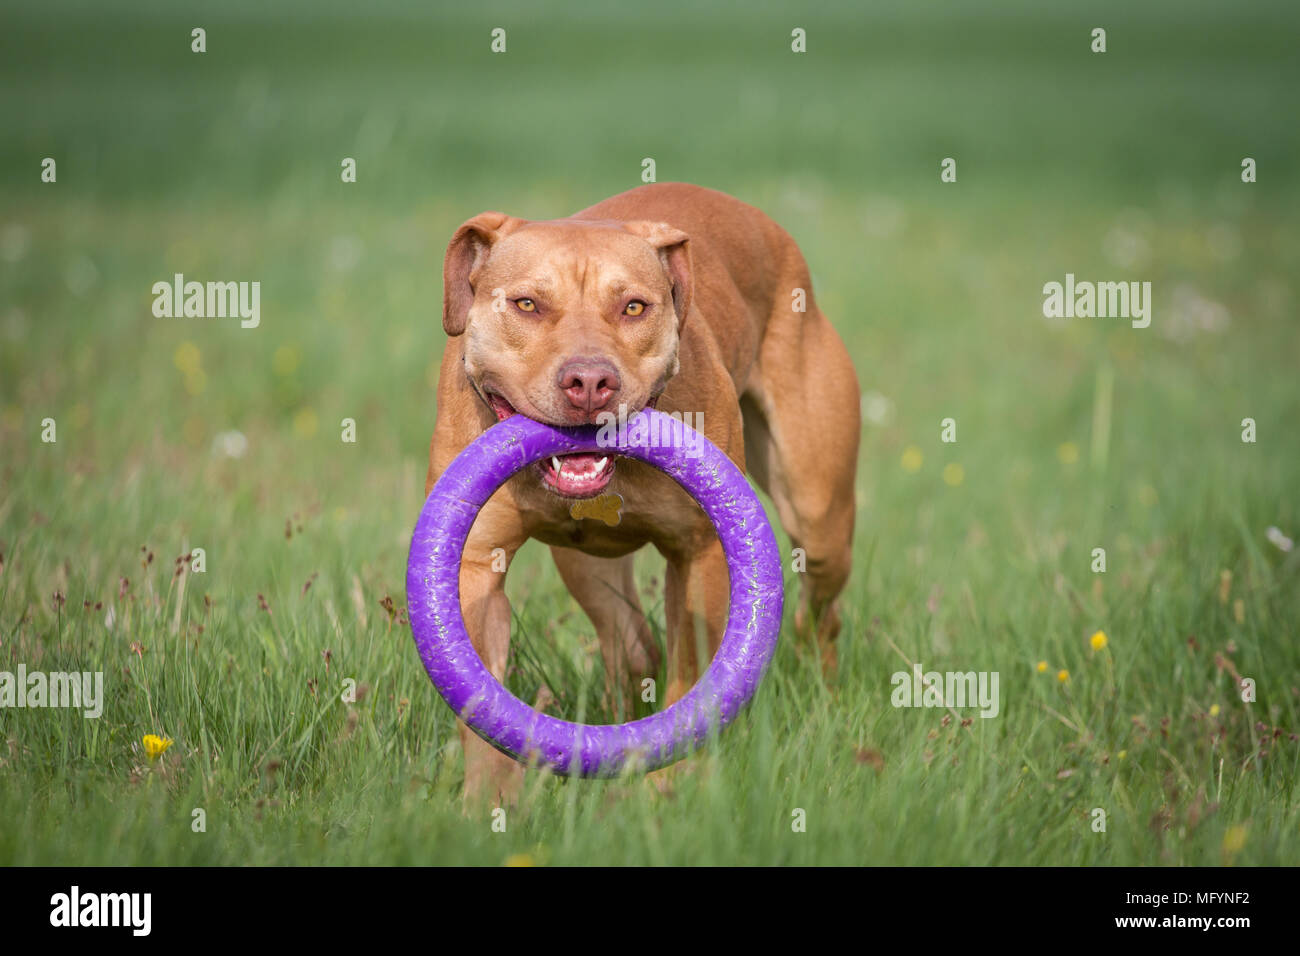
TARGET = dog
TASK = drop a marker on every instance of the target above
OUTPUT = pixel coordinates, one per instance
(670, 296)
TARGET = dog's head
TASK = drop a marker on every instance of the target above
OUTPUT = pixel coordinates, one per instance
(567, 319)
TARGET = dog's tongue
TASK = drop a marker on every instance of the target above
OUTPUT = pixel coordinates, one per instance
(579, 475)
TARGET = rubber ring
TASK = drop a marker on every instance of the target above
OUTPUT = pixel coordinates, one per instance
(502, 719)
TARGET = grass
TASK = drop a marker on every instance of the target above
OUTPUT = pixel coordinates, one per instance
(1070, 436)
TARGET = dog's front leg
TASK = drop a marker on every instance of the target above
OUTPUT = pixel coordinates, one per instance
(695, 601)
(491, 778)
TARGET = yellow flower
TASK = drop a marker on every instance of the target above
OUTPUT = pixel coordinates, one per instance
(912, 458)
(520, 859)
(1214, 710)
(1234, 838)
(155, 746)
(1067, 452)
(1042, 667)
(953, 475)
(285, 360)
(1123, 754)
(186, 358)
(304, 423)
(1098, 640)
(1062, 675)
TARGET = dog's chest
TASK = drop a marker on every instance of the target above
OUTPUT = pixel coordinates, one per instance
(634, 511)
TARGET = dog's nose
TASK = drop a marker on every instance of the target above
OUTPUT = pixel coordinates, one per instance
(590, 384)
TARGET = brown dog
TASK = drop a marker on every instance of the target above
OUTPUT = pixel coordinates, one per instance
(672, 295)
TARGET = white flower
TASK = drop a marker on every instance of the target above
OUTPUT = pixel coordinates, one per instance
(1279, 540)
(231, 444)
(877, 408)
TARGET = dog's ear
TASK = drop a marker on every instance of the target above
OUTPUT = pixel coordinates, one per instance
(674, 248)
(466, 253)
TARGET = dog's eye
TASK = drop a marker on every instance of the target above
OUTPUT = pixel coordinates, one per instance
(526, 305)
(634, 308)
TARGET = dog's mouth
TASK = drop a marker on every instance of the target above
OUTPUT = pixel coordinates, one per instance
(579, 475)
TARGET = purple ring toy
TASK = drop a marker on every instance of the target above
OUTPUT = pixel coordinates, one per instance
(505, 721)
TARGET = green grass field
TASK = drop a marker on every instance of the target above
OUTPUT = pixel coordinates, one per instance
(974, 555)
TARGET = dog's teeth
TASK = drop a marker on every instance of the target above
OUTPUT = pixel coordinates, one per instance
(601, 464)
(555, 463)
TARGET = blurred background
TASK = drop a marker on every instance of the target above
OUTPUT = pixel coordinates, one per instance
(225, 165)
